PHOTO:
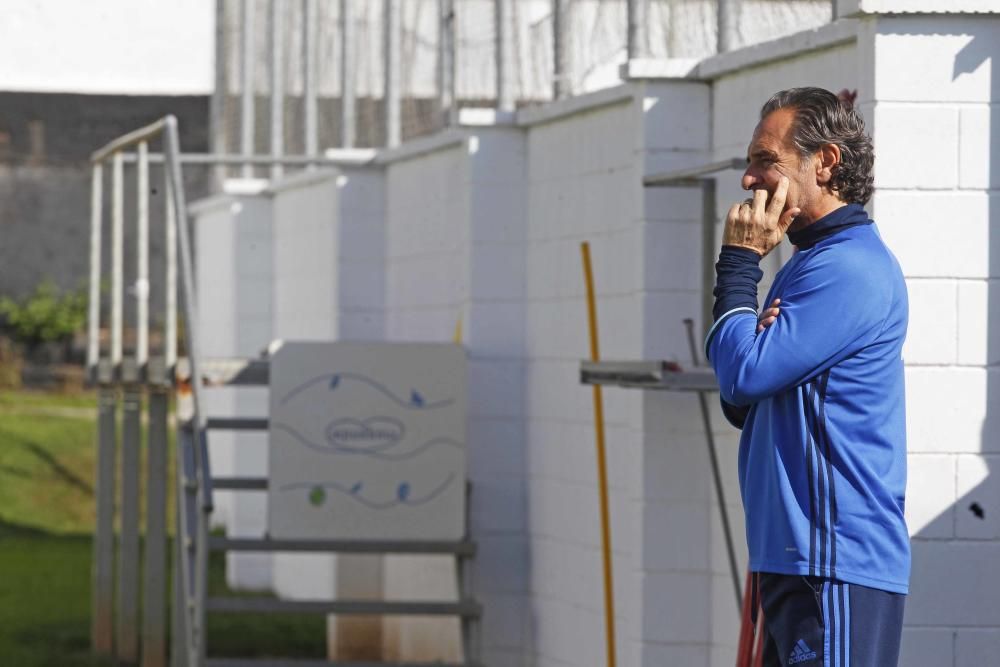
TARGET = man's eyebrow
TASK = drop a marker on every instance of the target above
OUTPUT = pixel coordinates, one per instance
(761, 153)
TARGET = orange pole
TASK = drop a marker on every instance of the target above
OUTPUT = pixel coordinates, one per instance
(602, 472)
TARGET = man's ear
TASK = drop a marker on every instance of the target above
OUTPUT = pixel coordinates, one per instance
(828, 157)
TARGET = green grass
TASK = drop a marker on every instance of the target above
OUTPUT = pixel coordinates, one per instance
(44, 599)
(47, 463)
(42, 399)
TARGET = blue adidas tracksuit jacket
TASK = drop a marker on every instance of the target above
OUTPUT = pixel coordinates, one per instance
(819, 395)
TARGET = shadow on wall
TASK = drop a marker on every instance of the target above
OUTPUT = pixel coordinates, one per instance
(952, 581)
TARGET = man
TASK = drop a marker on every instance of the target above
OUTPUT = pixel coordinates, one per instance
(817, 389)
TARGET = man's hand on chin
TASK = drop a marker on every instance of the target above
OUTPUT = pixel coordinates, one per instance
(758, 225)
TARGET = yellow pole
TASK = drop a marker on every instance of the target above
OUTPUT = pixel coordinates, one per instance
(602, 470)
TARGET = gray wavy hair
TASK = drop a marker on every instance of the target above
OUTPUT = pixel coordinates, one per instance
(822, 117)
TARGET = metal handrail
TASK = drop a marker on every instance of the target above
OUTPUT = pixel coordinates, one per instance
(194, 481)
(133, 138)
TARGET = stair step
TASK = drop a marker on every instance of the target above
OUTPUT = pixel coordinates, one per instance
(236, 424)
(464, 608)
(464, 548)
(239, 483)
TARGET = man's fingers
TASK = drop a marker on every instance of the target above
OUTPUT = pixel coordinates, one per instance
(766, 322)
(778, 200)
(734, 211)
(759, 201)
(786, 220)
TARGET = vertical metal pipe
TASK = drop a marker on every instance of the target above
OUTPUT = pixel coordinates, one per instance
(391, 92)
(247, 62)
(726, 21)
(142, 259)
(505, 55)
(348, 112)
(186, 518)
(170, 279)
(277, 85)
(154, 587)
(117, 257)
(446, 59)
(217, 124)
(310, 136)
(102, 619)
(638, 37)
(560, 49)
(201, 539)
(178, 610)
(709, 248)
(94, 307)
(128, 549)
(172, 153)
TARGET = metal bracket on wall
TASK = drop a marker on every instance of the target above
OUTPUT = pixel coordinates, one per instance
(693, 177)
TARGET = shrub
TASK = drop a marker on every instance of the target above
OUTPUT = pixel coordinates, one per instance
(46, 315)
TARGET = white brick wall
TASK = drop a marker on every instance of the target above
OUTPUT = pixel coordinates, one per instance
(455, 239)
(936, 134)
(234, 273)
(329, 231)
(487, 232)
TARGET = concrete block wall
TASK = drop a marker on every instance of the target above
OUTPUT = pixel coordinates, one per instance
(328, 254)
(234, 282)
(583, 185)
(934, 102)
(455, 256)
(493, 334)
(481, 238)
(426, 269)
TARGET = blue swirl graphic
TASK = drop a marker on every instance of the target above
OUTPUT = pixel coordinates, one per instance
(402, 493)
(415, 402)
(375, 453)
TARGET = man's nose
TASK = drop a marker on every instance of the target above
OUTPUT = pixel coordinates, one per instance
(749, 180)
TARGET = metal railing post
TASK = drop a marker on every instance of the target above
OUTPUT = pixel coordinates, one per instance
(391, 91)
(154, 621)
(277, 85)
(504, 55)
(348, 112)
(726, 21)
(142, 261)
(446, 60)
(638, 35)
(560, 48)
(117, 259)
(187, 515)
(170, 278)
(128, 547)
(94, 305)
(102, 620)
(220, 93)
(247, 100)
(310, 136)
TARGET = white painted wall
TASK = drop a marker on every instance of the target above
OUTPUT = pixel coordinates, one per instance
(455, 244)
(427, 284)
(329, 282)
(125, 47)
(483, 227)
(233, 236)
(935, 101)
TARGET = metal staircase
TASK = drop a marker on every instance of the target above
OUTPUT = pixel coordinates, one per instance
(127, 385)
